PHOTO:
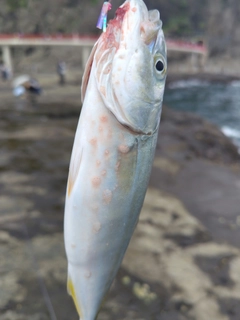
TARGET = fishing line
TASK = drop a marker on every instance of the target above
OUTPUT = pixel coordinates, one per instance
(102, 20)
(40, 279)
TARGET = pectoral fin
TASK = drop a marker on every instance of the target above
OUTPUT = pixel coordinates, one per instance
(87, 71)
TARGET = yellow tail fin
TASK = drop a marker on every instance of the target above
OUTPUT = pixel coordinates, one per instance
(71, 291)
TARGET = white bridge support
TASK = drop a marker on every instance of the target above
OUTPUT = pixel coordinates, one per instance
(197, 62)
(6, 57)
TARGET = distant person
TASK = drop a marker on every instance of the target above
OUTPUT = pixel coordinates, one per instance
(33, 89)
(61, 70)
(30, 87)
(5, 72)
(33, 86)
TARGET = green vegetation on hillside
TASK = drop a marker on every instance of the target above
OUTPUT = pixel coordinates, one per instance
(16, 4)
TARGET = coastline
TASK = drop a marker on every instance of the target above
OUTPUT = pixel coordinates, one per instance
(203, 79)
(202, 76)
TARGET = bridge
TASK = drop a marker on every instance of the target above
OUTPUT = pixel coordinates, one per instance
(86, 42)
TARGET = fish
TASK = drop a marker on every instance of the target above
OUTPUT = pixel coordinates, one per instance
(113, 151)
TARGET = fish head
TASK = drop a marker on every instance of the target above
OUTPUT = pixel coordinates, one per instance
(130, 66)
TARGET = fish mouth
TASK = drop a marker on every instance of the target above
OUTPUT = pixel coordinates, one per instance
(131, 16)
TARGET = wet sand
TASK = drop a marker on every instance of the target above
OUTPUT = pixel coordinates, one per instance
(184, 259)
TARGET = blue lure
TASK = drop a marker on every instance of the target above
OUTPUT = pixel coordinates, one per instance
(102, 20)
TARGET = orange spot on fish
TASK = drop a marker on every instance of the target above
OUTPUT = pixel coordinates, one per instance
(103, 118)
(100, 128)
(106, 153)
(93, 141)
(121, 56)
(107, 196)
(123, 148)
(134, 9)
(96, 181)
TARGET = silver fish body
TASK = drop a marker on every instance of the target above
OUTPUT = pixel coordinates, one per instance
(113, 151)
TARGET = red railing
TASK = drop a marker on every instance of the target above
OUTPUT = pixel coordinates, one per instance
(171, 44)
(46, 36)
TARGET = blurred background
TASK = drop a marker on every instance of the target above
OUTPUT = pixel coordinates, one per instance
(214, 22)
(183, 262)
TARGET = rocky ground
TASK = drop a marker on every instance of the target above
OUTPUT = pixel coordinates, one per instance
(183, 262)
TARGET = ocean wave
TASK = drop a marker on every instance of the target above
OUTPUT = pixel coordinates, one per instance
(233, 134)
(230, 132)
(181, 84)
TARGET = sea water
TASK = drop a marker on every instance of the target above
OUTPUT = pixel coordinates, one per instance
(217, 102)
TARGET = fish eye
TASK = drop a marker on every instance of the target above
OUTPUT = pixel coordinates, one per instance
(159, 65)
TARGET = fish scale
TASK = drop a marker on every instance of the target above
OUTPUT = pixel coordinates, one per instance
(113, 152)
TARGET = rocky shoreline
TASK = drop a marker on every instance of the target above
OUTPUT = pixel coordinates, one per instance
(183, 261)
(202, 76)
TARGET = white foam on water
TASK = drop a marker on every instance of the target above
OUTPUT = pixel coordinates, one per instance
(230, 132)
(235, 83)
(181, 84)
(233, 134)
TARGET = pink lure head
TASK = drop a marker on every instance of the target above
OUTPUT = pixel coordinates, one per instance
(102, 20)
